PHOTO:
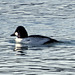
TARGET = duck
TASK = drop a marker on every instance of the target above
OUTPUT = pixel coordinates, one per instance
(23, 37)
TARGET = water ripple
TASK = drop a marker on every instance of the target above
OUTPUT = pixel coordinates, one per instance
(55, 19)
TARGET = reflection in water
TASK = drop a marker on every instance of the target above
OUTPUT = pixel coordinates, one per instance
(20, 48)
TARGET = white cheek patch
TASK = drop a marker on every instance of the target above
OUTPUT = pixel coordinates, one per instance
(16, 33)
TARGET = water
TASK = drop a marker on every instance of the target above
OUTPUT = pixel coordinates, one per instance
(52, 18)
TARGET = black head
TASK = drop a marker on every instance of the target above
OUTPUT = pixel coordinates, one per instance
(20, 32)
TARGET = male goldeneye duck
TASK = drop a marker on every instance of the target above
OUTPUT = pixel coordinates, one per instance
(22, 36)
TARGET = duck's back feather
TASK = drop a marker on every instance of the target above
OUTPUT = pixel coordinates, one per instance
(42, 39)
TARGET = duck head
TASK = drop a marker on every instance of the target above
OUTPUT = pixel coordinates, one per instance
(20, 32)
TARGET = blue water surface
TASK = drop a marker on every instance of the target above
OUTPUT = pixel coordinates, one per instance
(52, 18)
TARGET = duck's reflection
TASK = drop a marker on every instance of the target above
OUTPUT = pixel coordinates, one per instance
(20, 48)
